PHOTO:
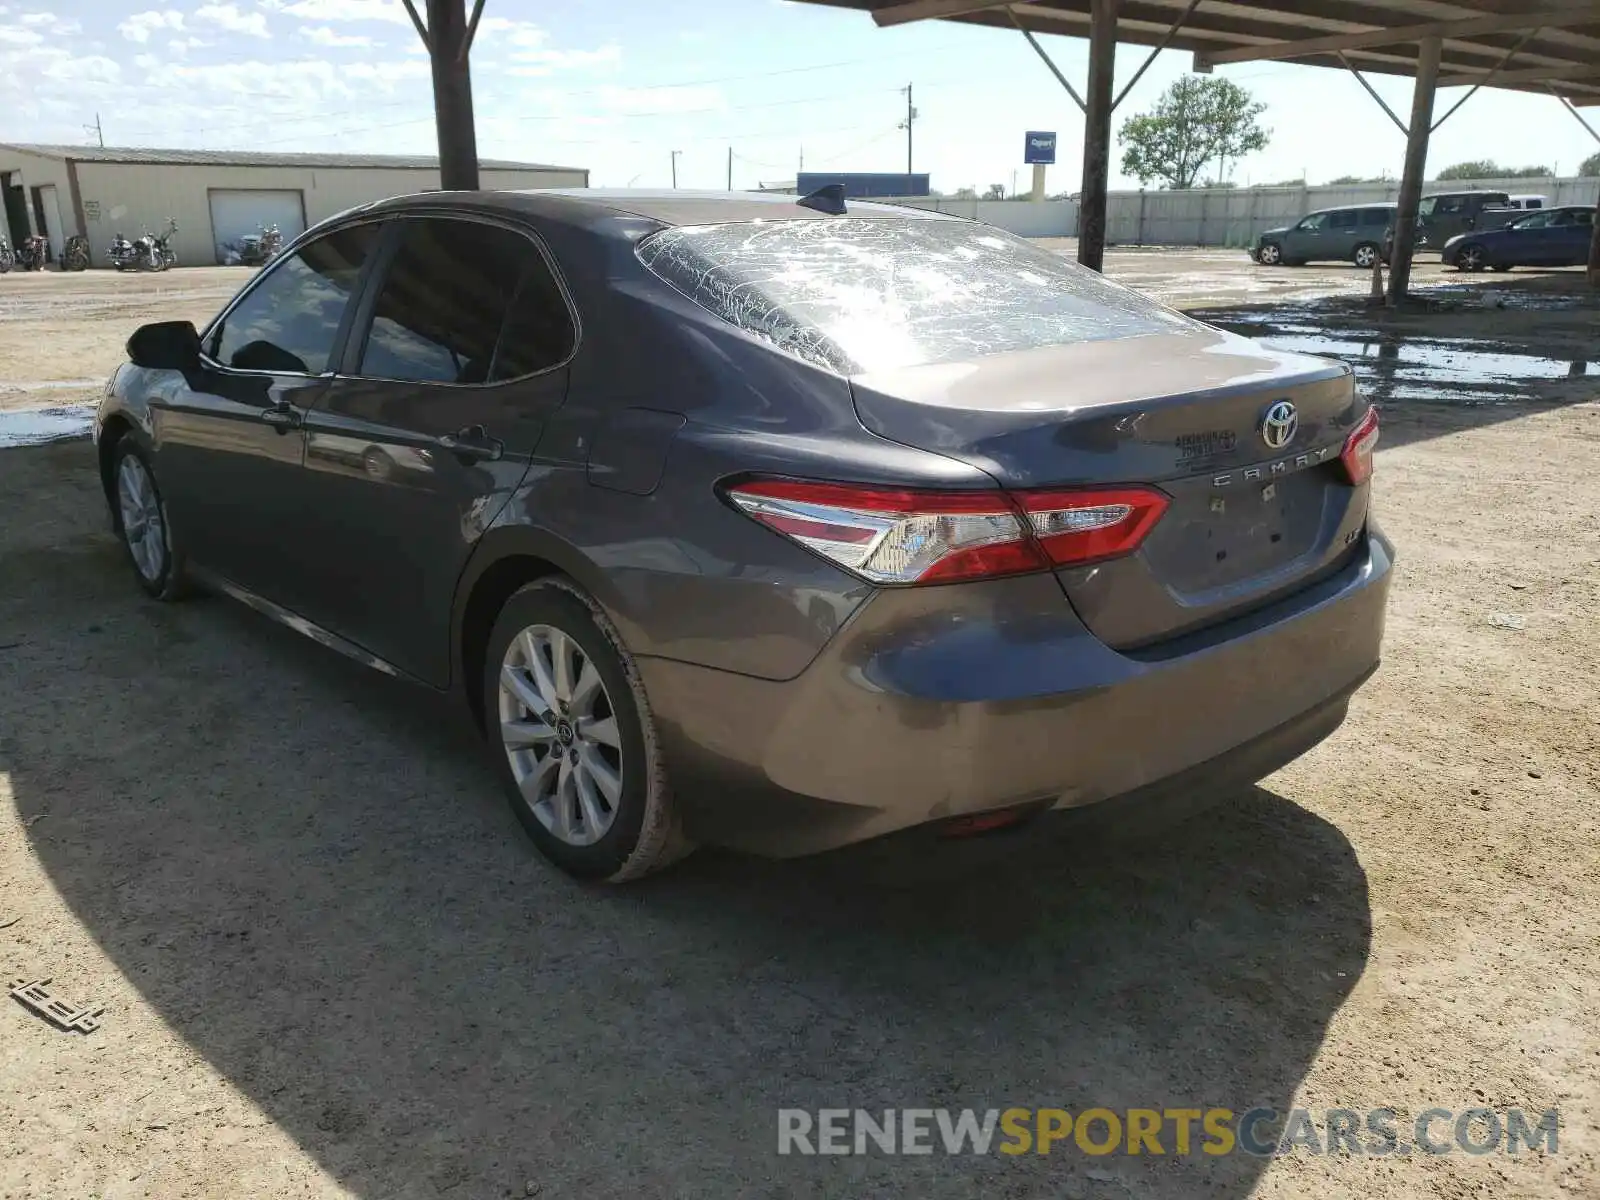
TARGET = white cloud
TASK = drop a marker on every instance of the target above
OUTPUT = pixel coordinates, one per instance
(321, 35)
(146, 62)
(663, 100)
(19, 37)
(140, 26)
(182, 46)
(526, 43)
(226, 16)
(348, 10)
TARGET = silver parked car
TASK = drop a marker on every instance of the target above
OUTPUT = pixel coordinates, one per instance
(1353, 234)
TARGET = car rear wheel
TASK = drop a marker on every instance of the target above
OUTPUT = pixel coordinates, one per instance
(1470, 257)
(572, 737)
(143, 524)
(1271, 254)
(1365, 255)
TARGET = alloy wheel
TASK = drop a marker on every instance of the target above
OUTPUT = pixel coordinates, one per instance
(1470, 259)
(1270, 254)
(143, 526)
(560, 735)
(1366, 256)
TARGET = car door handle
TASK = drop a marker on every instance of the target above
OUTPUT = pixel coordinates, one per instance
(282, 417)
(472, 443)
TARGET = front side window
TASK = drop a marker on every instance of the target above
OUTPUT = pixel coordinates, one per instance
(466, 302)
(1342, 220)
(290, 320)
(1446, 205)
(1537, 221)
(1314, 221)
(864, 294)
(1425, 209)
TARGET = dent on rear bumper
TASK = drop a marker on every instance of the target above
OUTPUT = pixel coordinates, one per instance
(936, 702)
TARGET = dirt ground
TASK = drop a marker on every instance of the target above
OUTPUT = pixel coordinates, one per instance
(331, 965)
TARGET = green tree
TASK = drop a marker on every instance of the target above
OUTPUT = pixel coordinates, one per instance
(1199, 120)
(1591, 165)
(997, 191)
(1483, 168)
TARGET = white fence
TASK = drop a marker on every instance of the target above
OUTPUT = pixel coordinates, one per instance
(1223, 216)
(1048, 218)
(1234, 216)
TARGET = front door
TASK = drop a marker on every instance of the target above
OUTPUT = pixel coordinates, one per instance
(229, 442)
(1304, 242)
(457, 359)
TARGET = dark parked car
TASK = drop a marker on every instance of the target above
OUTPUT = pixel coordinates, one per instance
(732, 520)
(1353, 234)
(1551, 237)
(1443, 215)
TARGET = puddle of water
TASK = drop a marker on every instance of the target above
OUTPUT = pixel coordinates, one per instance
(1443, 362)
(36, 426)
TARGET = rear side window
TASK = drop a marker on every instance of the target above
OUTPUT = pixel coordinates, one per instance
(865, 294)
(1376, 216)
(1342, 220)
(289, 321)
(466, 302)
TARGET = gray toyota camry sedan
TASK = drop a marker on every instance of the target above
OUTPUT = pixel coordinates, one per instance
(772, 523)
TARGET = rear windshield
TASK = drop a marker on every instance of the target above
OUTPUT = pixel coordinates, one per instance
(856, 295)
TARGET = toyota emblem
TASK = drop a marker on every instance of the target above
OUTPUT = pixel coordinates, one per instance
(1279, 424)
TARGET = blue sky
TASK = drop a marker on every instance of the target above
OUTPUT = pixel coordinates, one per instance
(616, 87)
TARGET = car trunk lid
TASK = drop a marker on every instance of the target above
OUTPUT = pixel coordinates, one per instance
(1249, 521)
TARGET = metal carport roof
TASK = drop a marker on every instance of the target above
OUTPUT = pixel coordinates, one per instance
(1539, 45)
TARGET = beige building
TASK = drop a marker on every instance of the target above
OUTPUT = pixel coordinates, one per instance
(215, 196)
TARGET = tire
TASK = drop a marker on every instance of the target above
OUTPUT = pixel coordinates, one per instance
(140, 517)
(1365, 255)
(5, 261)
(1470, 257)
(555, 773)
(1271, 254)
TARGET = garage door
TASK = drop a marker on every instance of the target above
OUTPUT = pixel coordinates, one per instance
(235, 213)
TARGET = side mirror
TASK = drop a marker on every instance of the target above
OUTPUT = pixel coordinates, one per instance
(165, 346)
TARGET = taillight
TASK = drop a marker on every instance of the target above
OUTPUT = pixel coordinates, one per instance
(891, 535)
(1359, 448)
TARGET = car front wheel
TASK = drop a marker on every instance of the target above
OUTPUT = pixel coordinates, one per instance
(1470, 258)
(143, 523)
(572, 737)
(1270, 254)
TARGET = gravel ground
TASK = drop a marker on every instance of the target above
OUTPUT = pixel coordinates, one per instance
(331, 965)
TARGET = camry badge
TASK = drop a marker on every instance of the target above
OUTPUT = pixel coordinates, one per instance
(1278, 424)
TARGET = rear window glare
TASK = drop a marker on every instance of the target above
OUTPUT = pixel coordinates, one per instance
(856, 295)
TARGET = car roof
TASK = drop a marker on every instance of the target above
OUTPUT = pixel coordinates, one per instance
(582, 206)
(1347, 207)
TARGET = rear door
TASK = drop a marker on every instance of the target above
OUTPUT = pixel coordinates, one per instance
(1340, 240)
(1571, 230)
(229, 437)
(456, 361)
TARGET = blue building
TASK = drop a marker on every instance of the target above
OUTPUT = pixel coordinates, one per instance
(860, 185)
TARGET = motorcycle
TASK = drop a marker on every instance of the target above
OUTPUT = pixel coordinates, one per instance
(150, 252)
(76, 255)
(33, 252)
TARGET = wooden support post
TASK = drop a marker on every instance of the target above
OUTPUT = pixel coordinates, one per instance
(452, 95)
(1405, 222)
(1097, 134)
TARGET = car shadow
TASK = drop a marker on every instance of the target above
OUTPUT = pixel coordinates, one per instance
(306, 872)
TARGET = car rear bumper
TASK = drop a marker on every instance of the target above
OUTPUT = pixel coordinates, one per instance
(935, 703)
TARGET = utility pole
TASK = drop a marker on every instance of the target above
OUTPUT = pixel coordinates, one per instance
(730, 168)
(675, 154)
(911, 116)
(448, 36)
(99, 133)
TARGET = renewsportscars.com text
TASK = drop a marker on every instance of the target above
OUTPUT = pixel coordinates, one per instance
(1165, 1131)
